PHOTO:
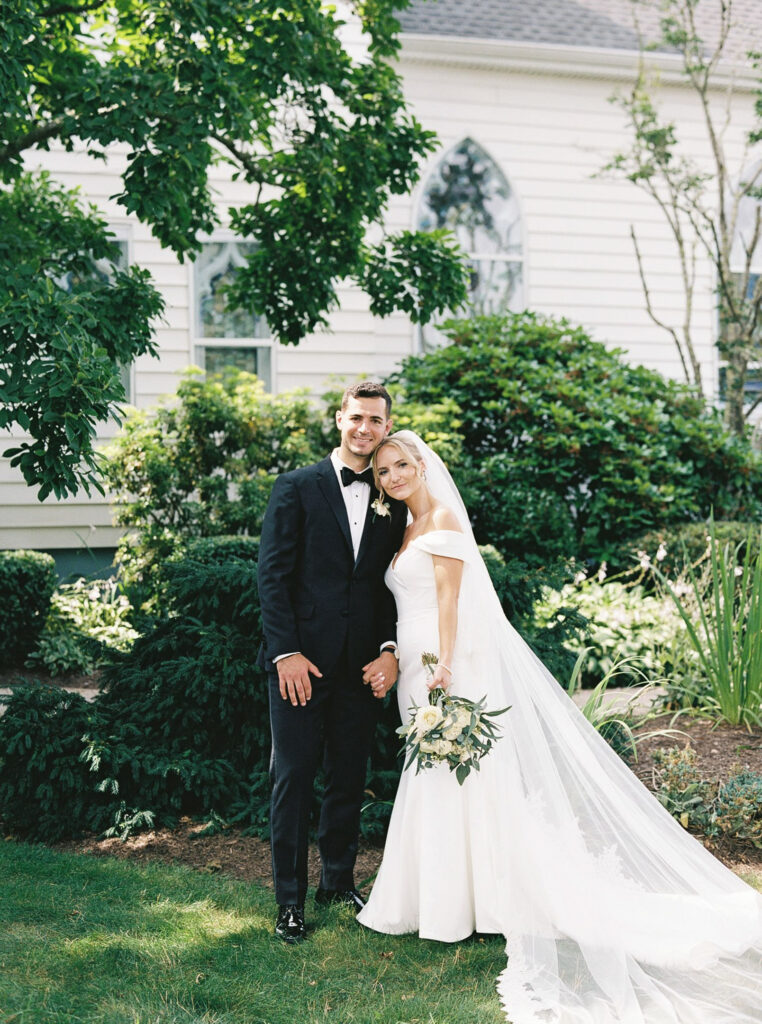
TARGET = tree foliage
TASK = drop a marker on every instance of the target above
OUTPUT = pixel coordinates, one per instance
(319, 136)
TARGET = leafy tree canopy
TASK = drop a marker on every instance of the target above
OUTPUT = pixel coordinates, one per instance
(321, 137)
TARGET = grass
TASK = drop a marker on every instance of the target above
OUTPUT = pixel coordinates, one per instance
(85, 940)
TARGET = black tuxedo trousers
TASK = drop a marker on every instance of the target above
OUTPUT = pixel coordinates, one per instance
(319, 600)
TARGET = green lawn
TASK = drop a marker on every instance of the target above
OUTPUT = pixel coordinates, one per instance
(86, 940)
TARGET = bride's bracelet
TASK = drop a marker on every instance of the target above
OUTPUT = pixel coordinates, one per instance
(445, 667)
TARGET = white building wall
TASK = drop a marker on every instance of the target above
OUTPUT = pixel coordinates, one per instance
(550, 126)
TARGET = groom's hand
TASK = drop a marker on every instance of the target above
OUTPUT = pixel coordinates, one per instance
(381, 674)
(294, 678)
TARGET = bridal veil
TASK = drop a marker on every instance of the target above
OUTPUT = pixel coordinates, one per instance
(612, 912)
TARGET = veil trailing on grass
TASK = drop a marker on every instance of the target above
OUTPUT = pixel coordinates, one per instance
(613, 914)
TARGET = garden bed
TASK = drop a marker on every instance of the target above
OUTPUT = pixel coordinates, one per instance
(719, 750)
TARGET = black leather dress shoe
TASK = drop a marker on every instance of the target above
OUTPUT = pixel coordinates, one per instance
(347, 897)
(290, 924)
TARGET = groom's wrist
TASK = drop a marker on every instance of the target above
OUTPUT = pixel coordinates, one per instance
(390, 646)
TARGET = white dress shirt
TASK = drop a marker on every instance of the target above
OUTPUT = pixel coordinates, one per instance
(356, 497)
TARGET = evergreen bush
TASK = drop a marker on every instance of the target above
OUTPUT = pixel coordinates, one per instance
(181, 726)
(27, 582)
(567, 448)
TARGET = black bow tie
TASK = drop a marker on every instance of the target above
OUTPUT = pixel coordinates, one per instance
(348, 476)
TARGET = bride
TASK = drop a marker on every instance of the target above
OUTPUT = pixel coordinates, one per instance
(612, 913)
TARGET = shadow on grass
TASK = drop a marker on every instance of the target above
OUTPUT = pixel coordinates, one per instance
(99, 940)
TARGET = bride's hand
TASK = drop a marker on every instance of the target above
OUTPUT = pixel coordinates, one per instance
(442, 678)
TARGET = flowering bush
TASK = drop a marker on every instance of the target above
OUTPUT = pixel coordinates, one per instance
(638, 634)
(85, 618)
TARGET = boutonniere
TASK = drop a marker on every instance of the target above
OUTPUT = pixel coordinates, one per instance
(380, 508)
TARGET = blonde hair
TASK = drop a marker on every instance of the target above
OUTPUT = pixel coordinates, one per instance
(408, 449)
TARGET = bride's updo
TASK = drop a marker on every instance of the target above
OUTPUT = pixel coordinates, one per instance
(408, 448)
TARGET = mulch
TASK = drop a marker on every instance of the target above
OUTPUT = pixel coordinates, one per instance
(720, 750)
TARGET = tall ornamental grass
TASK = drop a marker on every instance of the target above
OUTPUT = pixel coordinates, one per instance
(722, 612)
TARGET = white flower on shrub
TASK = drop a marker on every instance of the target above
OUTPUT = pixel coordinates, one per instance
(580, 577)
(602, 572)
(661, 554)
(645, 560)
(738, 570)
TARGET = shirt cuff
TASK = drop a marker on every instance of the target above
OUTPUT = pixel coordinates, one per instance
(390, 644)
(280, 657)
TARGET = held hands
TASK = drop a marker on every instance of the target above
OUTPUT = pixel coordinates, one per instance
(381, 674)
(294, 678)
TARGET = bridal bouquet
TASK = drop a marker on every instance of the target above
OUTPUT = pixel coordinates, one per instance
(449, 728)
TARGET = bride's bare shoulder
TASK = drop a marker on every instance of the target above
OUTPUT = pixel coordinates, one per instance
(443, 518)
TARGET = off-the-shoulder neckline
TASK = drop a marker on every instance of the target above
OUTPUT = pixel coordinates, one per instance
(427, 533)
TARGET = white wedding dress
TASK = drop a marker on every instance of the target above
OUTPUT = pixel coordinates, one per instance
(612, 913)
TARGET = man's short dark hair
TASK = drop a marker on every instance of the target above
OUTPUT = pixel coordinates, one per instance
(367, 389)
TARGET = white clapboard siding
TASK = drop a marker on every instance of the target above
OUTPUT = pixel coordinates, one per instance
(546, 119)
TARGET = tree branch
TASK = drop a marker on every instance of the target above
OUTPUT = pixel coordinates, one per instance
(32, 138)
(649, 306)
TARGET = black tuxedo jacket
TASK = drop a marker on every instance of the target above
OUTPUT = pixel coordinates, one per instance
(315, 598)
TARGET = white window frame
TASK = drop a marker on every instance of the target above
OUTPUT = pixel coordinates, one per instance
(199, 342)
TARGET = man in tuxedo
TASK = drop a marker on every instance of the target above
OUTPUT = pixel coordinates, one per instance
(329, 631)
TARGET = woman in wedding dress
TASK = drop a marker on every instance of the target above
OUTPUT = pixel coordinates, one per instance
(612, 913)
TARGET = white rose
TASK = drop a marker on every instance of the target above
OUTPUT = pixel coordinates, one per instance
(429, 747)
(443, 747)
(427, 718)
(452, 732)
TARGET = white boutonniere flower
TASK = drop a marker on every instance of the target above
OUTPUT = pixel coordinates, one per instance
(380, 508)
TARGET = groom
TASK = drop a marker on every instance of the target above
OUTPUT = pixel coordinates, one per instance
(329, 628)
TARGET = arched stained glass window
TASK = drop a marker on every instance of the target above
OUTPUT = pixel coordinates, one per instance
(468, 194)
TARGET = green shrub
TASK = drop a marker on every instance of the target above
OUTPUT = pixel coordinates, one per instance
(567, 448)
(673, 548)
(47, 791)
(732, 809)
(681, 789)
(738, 807)
(624, 627)
(181, 727)
(27, 582)
(203, 466)
(86, 619)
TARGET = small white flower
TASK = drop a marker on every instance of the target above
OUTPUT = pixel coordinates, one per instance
(645, 560)
(602, 572)
(661, 554)
(380, 508)
(427, 718)
(738, 570)
(580, 577)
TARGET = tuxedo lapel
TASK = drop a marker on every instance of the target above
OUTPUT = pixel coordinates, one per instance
(369, 525)
(329, 485)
